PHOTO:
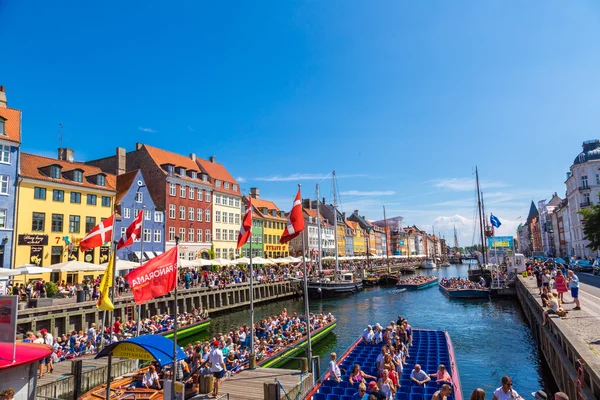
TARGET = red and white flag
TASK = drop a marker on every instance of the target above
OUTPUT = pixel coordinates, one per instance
(295, 225)
(102, 233)
(155, 278)
(246, 228)
(133, 232)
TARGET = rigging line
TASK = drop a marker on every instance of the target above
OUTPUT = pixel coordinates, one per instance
(325, 177)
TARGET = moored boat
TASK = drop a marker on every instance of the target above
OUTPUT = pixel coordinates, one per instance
(417, 283)
(430, 348)
(370, 280)
(325, 288)
(463, 292)
(388, 279)
(429, 264)
(188, 330)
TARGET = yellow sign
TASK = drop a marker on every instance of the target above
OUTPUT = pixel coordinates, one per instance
(501, 244)
(133, 351)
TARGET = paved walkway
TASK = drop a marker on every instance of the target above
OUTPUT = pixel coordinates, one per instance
(586, 322)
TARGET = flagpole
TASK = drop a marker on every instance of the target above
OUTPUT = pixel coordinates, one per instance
(139, 308)
(174, 369)
(306, 308)
(111, 317)
(252, 355)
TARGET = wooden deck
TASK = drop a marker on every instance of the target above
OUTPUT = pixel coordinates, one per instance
(249, 384)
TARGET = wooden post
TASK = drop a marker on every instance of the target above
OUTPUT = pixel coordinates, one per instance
(304, 365)
(76, 370)
(271, 391)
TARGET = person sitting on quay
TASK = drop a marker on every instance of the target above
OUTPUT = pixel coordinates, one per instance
(441, 376)
(443, 393)
(544, 297)
(419, 376)
(506, 391)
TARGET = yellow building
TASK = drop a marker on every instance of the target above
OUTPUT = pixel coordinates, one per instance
(360, 246)
(59, 202)
(341, 238)
(372, 243)
(274, 221)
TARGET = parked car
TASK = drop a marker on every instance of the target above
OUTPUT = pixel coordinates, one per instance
(583, 266)
(596, 267)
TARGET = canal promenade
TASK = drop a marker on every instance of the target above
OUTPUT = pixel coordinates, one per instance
(570, 345)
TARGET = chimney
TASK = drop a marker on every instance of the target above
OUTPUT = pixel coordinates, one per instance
(193, 156)
(212, 159)
(355, 212)
(65, 154)
(121, 161)
(138, 146)
(344, 215)
(254, 193)
(306, 203)
(3, 102)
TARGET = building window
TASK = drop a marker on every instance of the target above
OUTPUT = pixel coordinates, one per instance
(231, 202)
(172, 189)
(237, 219)
(91, 199)
(226, 185)
(147, 235)
(181, 171)
(182, 213)
(90, 223)
(58, 195)
(207, 235)
(136, 211)
(237, 203)
(127, 212)
(191, 234)
(204, 178)
(199, 212)
(182, 191)
(231, 237)
(139, 197)
(148, 215)
(171, 234)
(199, 238)
(191, 213)
(207, 197)
(191, 255)
(207, 215)
(158, 216)
(181, 235)
(123, 232)
(199, 193)
(157, 236)
(231, 218)
(105, 201)
(586, 198)
(74, 223)
(55, 172)
(217, 234)
(2, 218)
(75, 197)
(5, 154)
(101, 180)
(217, 199)
(584, 181)
(78, 176)
(57, 222)
(217, 217)
(218, 252)
(39, 193)
(172, 211)
(217, 183)
(191, 195)
(2, 130)
(193, 174)
(234, 187)
(38, 222)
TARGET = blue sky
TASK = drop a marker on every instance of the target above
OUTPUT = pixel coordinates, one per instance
(401, 99)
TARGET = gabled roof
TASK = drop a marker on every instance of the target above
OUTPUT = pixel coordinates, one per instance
(311, 212)
(124, 182)
(217, 171)
(259, 204)
(533, 212)
(163, 157)
(32, 165)
(12, 124)
(352, 224)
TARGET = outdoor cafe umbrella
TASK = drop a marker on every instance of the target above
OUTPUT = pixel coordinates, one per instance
(242, 260)
(222, 261)
(31, 269)
(264, 261)
(122, 265)
(76, 266)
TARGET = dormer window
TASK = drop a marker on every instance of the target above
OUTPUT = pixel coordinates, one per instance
(2, 127)
(193, 174)
(100, 180)
(217, 183)
(226, 185)
(234, 187)
(55, 172)
(181, 171)
(78, 176)
(169, 168)
(204, 178)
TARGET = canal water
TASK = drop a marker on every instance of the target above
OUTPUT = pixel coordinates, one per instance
(490, 338)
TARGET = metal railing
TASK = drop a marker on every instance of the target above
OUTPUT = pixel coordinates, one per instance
(222, 396)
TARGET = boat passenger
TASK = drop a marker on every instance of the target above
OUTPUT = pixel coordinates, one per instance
(442, 375)
(334, 369)
(506, 391)
(358, 376)
(150, 379)
(378, 334)
(374, 391)
(362, 393)
(560, 396)
(419, 376)
(477, 394)
(540, 395)
(443, 393)
(368, 336)
(386, 385)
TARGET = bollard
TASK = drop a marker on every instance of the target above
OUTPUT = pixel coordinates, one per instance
(252, 361)
(304, 365)
(76, 369)
(271, 391)
(207, 384)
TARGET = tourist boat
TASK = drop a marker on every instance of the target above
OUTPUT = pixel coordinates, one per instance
(429, 264)
(187, 330)
(430, 349)
(370, 280)
(408, 270)
(297, 347)
(388, 279)
(324, 287)
(411, 284)
(446, 264)
(465, 293)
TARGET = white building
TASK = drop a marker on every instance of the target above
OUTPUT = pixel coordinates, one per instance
(546, 208)
(583, 187)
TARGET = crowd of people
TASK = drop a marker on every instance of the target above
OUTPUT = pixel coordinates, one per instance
(461, 283)
(417, 280)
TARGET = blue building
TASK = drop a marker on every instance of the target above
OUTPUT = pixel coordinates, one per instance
(133, 197)
(10, 140)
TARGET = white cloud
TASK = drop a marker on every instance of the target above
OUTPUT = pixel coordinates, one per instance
(149, 130)
(371, 193)
(240, 179)
(305, 177)
(464, 184)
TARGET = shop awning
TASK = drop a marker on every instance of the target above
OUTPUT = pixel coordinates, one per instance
(149, 255)
(146, 347)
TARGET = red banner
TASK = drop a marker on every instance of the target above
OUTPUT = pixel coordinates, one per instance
(155, 278)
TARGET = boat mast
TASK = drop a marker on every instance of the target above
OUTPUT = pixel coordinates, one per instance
(319, 232)
(387, 253)
(434, 246)
(335, 218)
(479, 210)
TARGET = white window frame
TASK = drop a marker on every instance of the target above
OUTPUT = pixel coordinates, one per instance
(199, 237)
(4, 153)
(172, 189)
(207, 215)
(234, 187)
(207, 196)
(217, 198)
(199, 195)
(217, 183)
(4, 181)
(237, 219)
(147, 235)
(191, 194)
(207, 236)
(231, 218)
(217, 216)
(230, 202)
(172, 234)
(139, 197)
(226, 185)
(191, 213)
(158, 216)
(190, 235)
(218, 234)
(200, 214)
(182, 235)
(157, 236)
(127, 212)
(2, 217)
(182, 213)
(148, 215)
(182, 191)
(172, 211)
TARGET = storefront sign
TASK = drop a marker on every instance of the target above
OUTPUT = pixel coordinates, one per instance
(277, 247)
(500, 241)
(104, 251)
(73, 252)
(32, 240)
(132, 351)
(36, 254)
(89, 256)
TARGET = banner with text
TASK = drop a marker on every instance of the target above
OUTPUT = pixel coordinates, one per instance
(155, 278)
(500, 241)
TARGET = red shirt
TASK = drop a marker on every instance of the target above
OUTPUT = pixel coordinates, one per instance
(117, 327)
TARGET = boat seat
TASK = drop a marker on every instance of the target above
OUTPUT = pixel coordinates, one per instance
(401, 396)
(329, 383)
(333, 397)
(417, 389)
(319, 396)
(325, 389)
(345, 397)
(339, 391)
(415, 396)
(350, 391)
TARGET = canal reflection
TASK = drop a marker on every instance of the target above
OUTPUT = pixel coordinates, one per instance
(491, 338)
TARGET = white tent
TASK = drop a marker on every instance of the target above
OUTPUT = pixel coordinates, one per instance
(76, 266)
(30, 269)
(242, 260)
(122, 265)
(264, 261)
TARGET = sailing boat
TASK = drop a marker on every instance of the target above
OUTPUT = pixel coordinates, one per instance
(475, 274)
(388, 278)
(342, 284)
(430, 262)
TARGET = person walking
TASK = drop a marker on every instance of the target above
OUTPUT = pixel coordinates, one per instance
(574, 286)
(217, 366)
(561, 285)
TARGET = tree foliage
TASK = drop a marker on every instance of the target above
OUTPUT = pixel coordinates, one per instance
(591, 225)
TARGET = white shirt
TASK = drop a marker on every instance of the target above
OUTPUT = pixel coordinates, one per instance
(334, 370)
(511, 395)
(48, 339)
(216, 360)
(150, 378)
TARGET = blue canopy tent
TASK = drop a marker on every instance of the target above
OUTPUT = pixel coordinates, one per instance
(560, 261)
(146, 347)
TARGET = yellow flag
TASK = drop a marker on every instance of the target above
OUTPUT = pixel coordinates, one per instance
(104, 302)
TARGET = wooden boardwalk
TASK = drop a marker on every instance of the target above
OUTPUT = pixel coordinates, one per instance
(249, 384)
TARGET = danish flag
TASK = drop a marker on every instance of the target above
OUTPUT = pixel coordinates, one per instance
(133, 232)
(295, 225)
(102, 233)
(246, 228)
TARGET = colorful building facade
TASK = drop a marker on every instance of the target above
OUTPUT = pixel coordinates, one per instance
(257, 233)
(274, 221)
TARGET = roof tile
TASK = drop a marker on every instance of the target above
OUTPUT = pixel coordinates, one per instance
(12, 125)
